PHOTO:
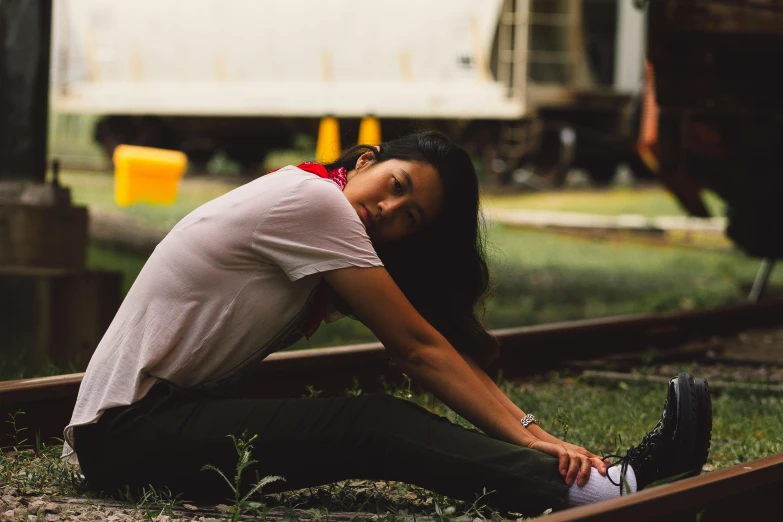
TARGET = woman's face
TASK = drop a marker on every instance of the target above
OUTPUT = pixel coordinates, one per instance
(394, 198)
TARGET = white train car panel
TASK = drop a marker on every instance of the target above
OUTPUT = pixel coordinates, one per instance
(297, 58)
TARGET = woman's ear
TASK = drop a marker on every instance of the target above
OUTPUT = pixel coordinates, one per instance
(365, 159)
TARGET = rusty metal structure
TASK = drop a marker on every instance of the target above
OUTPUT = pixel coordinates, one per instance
(719, 89)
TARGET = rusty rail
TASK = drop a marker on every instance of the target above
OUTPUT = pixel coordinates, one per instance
(746, 491)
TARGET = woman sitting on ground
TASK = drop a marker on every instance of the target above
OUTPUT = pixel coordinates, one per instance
(392, 236)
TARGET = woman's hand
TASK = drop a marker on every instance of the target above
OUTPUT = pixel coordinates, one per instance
(574, 462)
(596, 461)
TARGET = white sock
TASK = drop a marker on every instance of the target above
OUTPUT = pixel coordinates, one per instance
(599, 487)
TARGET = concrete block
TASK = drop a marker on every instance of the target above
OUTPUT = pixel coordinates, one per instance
(43, 236)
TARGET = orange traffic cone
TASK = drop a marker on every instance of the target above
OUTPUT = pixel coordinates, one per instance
(327, 148)
(370, 131)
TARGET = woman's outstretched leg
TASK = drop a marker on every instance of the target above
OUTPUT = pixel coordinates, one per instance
(168, 437)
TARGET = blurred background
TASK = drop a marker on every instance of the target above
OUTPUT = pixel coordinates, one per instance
(615, 141)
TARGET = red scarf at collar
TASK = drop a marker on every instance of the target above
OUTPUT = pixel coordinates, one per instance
(320, 301)
(338, 175)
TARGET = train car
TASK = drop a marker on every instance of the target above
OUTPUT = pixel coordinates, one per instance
(246, 76)
(720, 125)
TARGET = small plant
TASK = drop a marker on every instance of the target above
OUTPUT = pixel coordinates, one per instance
(648, 358)
(405, 392)
(155, 502)
(242, 503)
(312, 392)
(446, 513)
(474, 511)
(355, 390)
(399, 390)
(562, 418)
(19, 441)
(470, 512)
(38, 468)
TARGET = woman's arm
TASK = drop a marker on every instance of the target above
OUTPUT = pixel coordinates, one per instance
(421, 351)
(426, 356)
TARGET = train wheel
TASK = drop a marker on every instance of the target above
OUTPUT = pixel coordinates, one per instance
(602, 172)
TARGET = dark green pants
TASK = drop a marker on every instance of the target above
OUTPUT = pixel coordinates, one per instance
(166, 438)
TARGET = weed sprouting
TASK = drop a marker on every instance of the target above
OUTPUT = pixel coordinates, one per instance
(562, 419)
(242, 503)
(156, 502)
(19, 441)
(355, 390)
(469, 512)
(37, 468)
(312, 392)
(402, 390)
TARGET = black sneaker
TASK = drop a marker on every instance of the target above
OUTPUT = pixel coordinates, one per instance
(668, 449)
(701, 449)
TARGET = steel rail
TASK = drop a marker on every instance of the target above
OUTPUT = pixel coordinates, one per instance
(47, 402)
(748, 491)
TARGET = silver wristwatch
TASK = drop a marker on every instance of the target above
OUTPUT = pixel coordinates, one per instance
(529, 419)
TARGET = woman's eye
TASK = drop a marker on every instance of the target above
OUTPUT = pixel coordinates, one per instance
(397, 186)
(411, 218)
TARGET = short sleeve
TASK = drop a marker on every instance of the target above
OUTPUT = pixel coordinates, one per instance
(313, 228)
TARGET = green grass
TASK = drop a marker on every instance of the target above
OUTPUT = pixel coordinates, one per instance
(541, 277)
(71, 139)
(648, 202)
(100, 257)
(97, 190)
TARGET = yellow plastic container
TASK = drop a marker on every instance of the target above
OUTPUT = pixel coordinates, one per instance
(145, 174)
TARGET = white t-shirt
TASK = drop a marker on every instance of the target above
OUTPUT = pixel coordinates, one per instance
(229, 285)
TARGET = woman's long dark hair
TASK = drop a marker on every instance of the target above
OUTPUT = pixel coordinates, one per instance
(442, 269)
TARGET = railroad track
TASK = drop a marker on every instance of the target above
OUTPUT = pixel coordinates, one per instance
(48, 402)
